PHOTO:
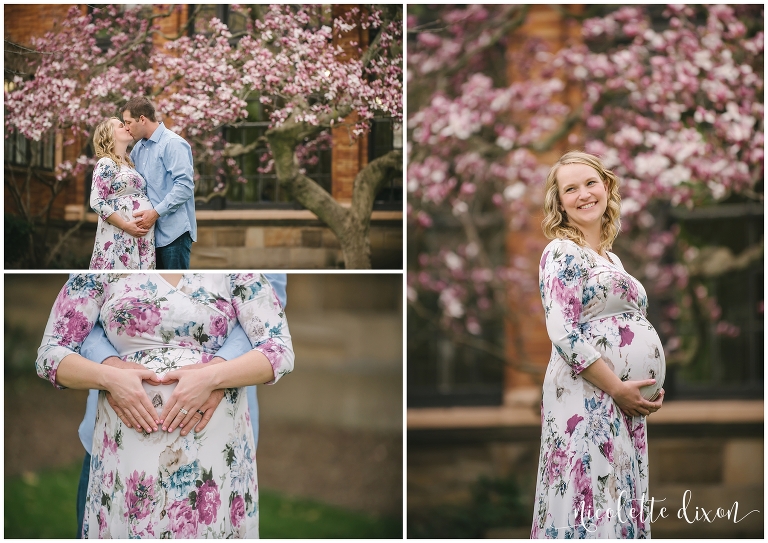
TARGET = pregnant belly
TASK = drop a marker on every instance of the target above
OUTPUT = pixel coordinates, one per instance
(129, 204)
(162, 361)
(632, 349)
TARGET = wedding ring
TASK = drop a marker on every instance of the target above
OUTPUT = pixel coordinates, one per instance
(202, 413)
(183, 411)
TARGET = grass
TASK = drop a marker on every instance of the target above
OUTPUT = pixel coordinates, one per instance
(42, 505)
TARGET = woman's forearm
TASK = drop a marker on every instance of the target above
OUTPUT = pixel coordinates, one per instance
(252, 368)
(116, 220)
(599, 374)
(76, 371)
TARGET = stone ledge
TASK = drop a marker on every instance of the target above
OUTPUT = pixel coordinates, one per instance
(675, 412)
(75, 212)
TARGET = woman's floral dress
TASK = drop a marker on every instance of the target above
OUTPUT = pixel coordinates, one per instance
(162, 485)
(593, 468)
(120, 190)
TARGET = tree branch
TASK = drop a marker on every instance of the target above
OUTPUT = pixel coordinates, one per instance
(369, 180)
(61, 241)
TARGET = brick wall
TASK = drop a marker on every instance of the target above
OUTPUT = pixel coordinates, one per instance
(348, 156)
(545, 23)
(22, 23)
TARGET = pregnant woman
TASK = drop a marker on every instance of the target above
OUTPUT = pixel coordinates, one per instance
(117, 191)
(606, 370)
(161, 484)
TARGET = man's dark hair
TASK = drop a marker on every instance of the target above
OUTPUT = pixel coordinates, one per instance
(140, 106)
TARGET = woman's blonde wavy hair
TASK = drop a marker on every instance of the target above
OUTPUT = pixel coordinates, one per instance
(555, 223)
(104, 143)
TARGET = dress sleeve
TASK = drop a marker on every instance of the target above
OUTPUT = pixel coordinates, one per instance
(74, 314)
(562, 278)
(101, 187)
(263, 319)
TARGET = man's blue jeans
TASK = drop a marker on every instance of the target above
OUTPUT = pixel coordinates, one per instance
(82, 492)
(175, 255)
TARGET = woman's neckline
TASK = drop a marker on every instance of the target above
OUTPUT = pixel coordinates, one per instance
(181, 280)
(607, 254)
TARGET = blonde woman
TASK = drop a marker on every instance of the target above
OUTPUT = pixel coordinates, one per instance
(606, 369)
(117, 191)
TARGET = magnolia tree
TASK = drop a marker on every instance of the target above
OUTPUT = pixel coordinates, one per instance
(284, 57)
(67, 86)
(676, 112)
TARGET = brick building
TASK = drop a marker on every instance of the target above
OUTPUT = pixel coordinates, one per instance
(255, 225)
(472, 419)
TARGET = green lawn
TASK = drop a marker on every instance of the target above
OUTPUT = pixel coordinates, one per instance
(43, 506)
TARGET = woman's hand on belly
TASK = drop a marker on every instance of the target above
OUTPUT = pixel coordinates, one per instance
(126, 391)
(124, 414)
(657, 402)
(626, 394)
(130, 227)
(195, 420)
(192, 392)
(632, 403)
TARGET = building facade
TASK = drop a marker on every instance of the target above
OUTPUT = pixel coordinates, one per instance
(254, 225)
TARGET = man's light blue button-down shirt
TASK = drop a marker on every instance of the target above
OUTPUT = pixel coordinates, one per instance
(97, 347)
(165, 162)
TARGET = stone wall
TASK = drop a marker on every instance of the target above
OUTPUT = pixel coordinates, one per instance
(719, 463)
(222, 245)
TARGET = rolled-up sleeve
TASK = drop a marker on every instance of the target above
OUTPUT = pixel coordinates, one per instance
(74, 314)
(562, 277)
(177, 161)
(262, 317)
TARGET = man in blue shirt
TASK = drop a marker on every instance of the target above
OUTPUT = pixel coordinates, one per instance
(97, 347)
(164, 159)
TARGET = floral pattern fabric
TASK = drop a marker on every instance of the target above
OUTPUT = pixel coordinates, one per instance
(162, 485)
(592, 477)
(120, 190)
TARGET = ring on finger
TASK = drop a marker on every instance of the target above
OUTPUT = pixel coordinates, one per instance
(183, 411)
(202, 413)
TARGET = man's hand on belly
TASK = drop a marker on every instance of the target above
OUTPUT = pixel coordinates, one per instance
(146, 218)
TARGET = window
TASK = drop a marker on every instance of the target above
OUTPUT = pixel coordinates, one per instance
(447, 368)
(724, 365)
(385, 136)
(442, 372)
(20, 151)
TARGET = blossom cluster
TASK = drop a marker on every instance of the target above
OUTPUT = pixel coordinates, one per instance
(283, 59)
(671, 99)
(678, 113)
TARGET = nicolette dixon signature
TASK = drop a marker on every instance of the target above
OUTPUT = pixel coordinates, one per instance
(647, 509)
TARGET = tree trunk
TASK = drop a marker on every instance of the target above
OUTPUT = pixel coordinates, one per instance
(356, 244)
(350, 225)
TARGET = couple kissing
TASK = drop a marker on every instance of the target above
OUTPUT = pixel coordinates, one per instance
(145, 200)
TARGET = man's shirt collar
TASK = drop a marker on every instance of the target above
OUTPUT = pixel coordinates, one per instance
(155, 137)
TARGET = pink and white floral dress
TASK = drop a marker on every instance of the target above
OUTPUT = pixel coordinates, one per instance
(593, 467)
(162, 485)
(120, 190)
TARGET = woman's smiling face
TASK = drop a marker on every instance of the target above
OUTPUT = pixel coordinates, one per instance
(583, 196)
